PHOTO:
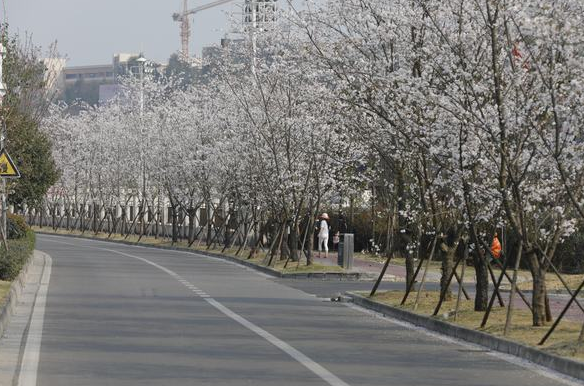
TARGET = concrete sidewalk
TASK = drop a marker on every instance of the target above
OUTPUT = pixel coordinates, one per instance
(394, 272)
(11, 341)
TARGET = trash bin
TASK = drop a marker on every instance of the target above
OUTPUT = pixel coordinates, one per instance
(345, 255)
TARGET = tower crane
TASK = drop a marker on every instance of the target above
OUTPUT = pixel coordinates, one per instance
(183, 19)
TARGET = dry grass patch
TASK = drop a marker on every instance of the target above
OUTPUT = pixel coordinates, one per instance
(554, 283)
(563, 341)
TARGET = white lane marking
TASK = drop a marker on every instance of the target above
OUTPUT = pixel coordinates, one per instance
(317, 369)
(544, 371)
(32, 348)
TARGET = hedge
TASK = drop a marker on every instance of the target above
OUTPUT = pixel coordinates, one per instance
(19, 251)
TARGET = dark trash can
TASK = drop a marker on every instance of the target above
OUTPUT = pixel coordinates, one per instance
(345, 252)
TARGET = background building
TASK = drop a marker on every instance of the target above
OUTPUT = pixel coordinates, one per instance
(94, 84)
(258, 13)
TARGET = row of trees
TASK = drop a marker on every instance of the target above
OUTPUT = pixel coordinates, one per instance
(463, 116)
(26, 103)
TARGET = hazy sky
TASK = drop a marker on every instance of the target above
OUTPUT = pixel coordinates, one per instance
(91, 31)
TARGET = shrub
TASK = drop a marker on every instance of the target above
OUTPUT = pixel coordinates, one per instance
(16, 226)
(568, 257)
(19, 251)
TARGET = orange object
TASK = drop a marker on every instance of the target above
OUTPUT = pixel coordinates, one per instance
(515, 52)
(519, 57)
(496, 247)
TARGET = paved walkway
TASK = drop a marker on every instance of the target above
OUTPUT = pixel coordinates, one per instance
(11, 340)
(394, 272)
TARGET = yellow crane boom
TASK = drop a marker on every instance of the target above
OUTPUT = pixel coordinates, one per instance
(185, 27)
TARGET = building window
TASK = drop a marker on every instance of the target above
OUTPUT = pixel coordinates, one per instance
(71, 76)
(131, 213)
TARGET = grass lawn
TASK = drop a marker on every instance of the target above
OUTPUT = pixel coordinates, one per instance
(562, 342)
(4, 288)
(292, 266)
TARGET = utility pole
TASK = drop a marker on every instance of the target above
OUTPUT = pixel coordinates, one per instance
(254, 26)
(141, 60)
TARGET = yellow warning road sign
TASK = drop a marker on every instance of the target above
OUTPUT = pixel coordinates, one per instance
(7, 167)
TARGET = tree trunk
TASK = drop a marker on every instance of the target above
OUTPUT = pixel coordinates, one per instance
(209, 224)
(294, 242)
(482, 281)
(285, 248)
(548, 311)
(447, 265)
(538, 300)
(310, 240)
(389, 233)
(403, 236)
(174, 223)
(192, 213)
(449, 247)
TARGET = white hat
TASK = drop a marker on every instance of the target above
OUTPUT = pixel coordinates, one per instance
(325, 216)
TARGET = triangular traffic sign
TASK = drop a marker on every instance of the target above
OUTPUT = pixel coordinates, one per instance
(7, 167)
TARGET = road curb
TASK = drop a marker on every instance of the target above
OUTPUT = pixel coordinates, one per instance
(340, 276)
(16, 288)
(562, 365)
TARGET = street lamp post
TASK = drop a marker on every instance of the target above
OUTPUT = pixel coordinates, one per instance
(141, 61)
(2, 138)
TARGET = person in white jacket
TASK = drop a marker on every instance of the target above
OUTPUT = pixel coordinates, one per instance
(323, 235)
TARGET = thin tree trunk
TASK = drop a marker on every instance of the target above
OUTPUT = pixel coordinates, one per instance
(513, 287)
(460, 284)
(425, 273)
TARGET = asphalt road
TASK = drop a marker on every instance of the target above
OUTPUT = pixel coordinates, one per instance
(123, 315)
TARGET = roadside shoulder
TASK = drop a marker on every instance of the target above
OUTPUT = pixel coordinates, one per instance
(16, 314)
(565, 366)
(16, 289)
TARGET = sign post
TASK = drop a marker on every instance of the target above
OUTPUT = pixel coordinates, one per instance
(7, 167)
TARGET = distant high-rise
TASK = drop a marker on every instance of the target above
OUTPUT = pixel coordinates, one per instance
(258, 13)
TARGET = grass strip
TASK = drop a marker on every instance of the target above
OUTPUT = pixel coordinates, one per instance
(563, 342)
